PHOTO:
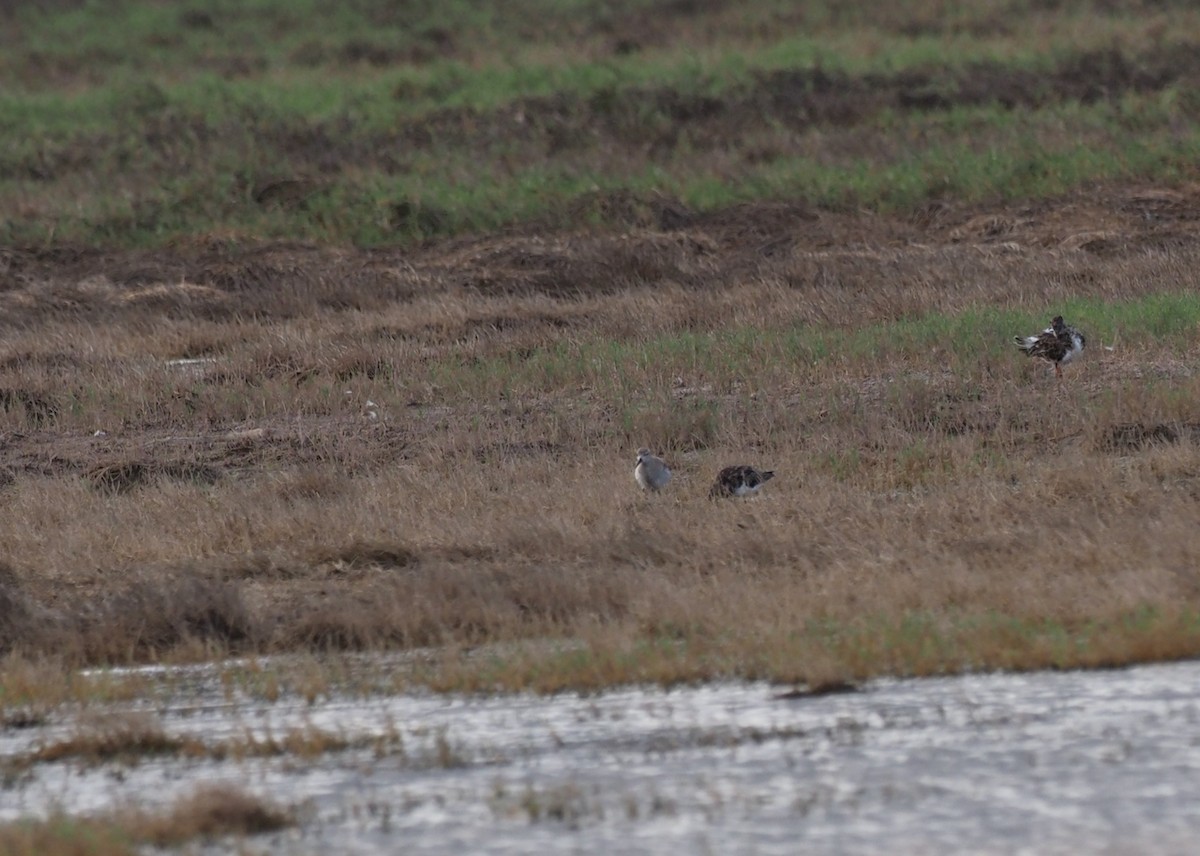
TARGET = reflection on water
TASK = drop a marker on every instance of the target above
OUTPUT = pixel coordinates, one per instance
(1041, 763)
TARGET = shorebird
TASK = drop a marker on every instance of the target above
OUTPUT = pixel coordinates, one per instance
(740, 480)
(1058, 343)
(651, 471)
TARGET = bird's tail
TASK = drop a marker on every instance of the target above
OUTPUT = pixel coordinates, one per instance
(767, 475)
(1024, 342)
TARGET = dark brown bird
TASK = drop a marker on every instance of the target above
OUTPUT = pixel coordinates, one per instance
(1058, 343)
(740, 480)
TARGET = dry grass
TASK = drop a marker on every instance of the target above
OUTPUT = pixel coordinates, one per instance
(211, 812)
(132, 738)
(65, 836)
(941, 503)
(127, 737)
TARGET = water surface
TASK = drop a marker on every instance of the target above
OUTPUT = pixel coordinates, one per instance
(1101, 762)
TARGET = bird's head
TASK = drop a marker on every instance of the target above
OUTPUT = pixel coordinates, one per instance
(1057, 324)
(642, 454)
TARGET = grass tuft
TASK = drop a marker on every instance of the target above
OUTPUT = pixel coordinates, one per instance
(210, 813)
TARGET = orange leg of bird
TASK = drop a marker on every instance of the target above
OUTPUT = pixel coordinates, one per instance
(1058, 370)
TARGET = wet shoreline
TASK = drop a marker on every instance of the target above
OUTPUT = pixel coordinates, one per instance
(1041, 762)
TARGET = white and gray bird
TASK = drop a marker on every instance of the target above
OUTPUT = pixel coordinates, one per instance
(651, 471)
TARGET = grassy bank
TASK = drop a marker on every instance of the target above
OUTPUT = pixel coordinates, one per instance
(144, 124)
(342, 340)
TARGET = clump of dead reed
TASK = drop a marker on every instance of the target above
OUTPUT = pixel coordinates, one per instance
(210, 813)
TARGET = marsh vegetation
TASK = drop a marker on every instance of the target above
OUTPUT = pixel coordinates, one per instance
(340, 343)
(345, 339)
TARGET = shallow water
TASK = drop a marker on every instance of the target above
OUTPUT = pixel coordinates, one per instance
(1102, 762)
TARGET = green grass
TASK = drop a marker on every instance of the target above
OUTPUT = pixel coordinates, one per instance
(125, 123)
(504, 56)
(963, 341)
(209, 186)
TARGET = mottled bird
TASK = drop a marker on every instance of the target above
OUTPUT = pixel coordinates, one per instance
(651, 471)
(739, 480)
(1058, 343)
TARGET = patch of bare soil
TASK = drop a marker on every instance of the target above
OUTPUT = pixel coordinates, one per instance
(122, 462)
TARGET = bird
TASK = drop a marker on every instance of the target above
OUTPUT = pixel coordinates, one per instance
(651, 472)
(1058, 343)
(739, 480)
